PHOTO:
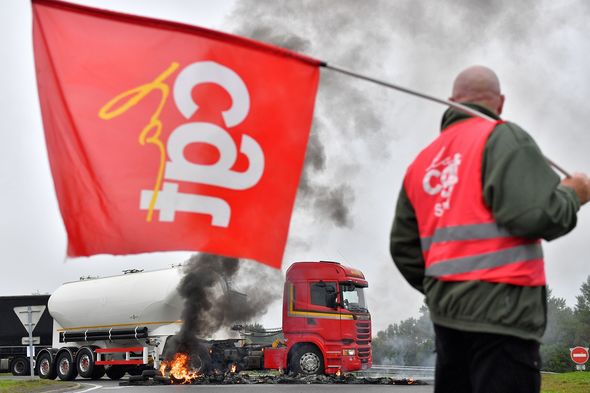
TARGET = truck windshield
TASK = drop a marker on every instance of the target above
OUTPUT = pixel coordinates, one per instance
(353, 297)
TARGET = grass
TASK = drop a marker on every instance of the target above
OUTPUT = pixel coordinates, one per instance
(25, 385)
(574, 382)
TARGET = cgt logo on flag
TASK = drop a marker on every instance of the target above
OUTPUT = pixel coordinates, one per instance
(177, 167)
(163, 136)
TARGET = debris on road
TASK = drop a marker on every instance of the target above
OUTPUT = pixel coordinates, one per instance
(154, 377)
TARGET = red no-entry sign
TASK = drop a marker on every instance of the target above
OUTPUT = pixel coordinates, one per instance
(579, 355)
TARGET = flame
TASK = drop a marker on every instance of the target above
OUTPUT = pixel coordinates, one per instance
(410, 381)
(338, 373)
(234, 368)
(179, 369)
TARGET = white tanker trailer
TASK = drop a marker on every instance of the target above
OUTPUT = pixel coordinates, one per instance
(113, 325)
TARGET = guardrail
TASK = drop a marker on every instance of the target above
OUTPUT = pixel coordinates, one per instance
(398, 371)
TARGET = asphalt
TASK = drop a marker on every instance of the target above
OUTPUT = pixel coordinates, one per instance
(83, 386)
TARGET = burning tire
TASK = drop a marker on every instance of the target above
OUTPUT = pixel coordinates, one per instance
(150, 373)
(307, 360)
(44, 366)
(138, 378)
(200, 360)
(19, 366)
(85, 364)
(115, 372)
(65, 366)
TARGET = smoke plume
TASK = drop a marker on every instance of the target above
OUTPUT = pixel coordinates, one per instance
(293, 26)
(211, 303)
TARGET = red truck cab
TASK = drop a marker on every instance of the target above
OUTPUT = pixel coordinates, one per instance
(326, 324)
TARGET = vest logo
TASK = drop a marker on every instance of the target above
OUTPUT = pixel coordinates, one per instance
(165, 196)
(440, 179)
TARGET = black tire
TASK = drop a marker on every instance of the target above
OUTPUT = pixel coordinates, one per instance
(44, 366)
(99, 372)
(307, 360)
(200, 360)
(20, 366)
(116, 372)
(134, 370)
(85, 362)
(137, 378)
(162, 380)
(65, 366)
(150, 373)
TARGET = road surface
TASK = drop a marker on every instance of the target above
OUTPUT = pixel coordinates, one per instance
(107, 385)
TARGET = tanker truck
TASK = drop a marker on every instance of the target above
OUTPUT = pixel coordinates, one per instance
(124, 323)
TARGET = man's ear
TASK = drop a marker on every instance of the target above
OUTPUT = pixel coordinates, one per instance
(501, 104)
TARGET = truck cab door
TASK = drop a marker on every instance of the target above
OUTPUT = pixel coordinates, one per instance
(323, 318)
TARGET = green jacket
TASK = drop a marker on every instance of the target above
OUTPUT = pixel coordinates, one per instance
(525, 197)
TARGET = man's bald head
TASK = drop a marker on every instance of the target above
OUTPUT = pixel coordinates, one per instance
(478, 85)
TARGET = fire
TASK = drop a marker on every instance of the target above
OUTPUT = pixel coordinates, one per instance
(410, 381)
(234, 368)
(338, 373)
(179, 369)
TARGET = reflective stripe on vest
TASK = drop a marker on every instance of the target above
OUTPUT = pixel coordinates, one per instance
(527, 252)
(464, 232)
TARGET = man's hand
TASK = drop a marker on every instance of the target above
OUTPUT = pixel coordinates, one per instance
(580, 182)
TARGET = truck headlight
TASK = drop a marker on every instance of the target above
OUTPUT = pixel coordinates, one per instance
(348, 352)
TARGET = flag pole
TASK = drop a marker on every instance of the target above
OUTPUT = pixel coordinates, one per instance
(452, 104)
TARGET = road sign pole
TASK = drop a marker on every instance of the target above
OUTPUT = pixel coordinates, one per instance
(31, 350)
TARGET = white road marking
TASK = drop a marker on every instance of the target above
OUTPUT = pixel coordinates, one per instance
(94, 387)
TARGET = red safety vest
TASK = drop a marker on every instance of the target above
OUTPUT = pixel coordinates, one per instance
(459, 235)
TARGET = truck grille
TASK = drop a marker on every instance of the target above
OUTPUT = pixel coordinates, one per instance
(363, 331)
(363, 335)
(364, 354)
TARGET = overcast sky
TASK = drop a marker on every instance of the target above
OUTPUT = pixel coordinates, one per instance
(367, 135)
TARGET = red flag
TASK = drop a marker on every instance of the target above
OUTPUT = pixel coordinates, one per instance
(163, 136)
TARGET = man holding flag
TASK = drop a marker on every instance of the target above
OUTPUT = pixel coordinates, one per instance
(472, 210)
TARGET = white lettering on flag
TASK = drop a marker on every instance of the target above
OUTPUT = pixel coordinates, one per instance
(219, 174)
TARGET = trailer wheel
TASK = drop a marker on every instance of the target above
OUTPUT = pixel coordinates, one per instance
(99, 372)
(85, 364)
(116, 372)
(44, 366)
(20, 366)
(307, 360)
(134, 370)
(65, 366)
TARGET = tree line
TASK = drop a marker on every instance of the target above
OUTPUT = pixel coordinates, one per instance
(411, 341)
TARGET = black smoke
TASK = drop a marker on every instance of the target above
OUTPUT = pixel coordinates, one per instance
(211, 303)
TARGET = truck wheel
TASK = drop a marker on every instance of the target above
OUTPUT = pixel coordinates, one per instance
(307, 360)
(20, 366)
(115, 372)
(65, 366)
(99, 372)
(44, 366)
(134, 371)
(201, 360)
(85, 362)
